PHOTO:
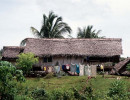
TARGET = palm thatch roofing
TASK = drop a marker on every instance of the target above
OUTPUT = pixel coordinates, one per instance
(106, 47)
(79, 47)
(120, 68)
(11, 51)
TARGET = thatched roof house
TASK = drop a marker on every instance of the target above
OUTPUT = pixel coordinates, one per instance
(108, 48)
(74, 47)
(11, 52)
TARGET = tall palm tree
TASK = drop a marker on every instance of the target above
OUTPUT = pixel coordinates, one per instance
(52, 27)
(88, 32)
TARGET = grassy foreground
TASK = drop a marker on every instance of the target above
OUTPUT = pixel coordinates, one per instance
(68, 82)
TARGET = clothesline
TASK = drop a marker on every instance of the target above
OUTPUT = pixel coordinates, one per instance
(73, 69)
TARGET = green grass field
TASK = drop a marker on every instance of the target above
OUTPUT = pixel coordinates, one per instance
(68, 82)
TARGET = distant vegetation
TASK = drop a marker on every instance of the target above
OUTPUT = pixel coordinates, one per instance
(88, 32)
(1, 52)
(128, 67)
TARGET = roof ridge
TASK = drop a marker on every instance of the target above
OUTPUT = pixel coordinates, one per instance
(13, 47)
(75, 38)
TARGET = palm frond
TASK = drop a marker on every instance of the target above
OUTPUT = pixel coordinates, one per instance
(87, 32)
(23, 42)
(35, 32)
(52, 26)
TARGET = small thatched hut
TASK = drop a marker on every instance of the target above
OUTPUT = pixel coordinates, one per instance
(120, 68)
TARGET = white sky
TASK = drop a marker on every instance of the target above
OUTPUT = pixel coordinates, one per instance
(110, 16)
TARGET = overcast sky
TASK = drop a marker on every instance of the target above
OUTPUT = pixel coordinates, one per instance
(110, 16)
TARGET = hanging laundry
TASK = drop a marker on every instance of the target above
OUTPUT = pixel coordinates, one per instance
(101, 67)
(67, 67)
(81, 68)
(93, 70)
(77, 69)
(56, 69)
(63, 67)
(44, 68)
(50, 69)
(87, 70)
(73, 68)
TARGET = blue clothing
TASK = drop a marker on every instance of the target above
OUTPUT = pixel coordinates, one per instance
(63, 67)
(77, 69)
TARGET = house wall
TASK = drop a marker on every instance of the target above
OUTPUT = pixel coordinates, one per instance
(62, 61)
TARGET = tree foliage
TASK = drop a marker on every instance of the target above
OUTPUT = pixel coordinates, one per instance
(88, 33)
(1, 52)
(25, 61)
(117, 89)
(128, 67)
(7, 76)
(52, 27)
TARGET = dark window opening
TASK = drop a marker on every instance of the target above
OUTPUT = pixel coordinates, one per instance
(45, 59)
(49, 59)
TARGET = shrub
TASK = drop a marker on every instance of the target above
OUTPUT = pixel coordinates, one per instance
(76, 93)
(49, 75)
(68, 95)
(39, 94)
(117, 89)
(128, 67)
(25, 62)
(57, 94)
(89, 91)
(8, 87)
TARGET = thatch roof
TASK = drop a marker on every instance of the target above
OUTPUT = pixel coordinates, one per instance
(78, 47)
(74, 47)
(11, 51)
(119, 67)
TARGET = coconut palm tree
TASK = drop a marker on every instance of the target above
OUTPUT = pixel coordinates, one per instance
(52, 27)
(88, 32)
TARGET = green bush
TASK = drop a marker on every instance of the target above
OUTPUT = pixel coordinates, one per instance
(39, 94)
(117, 89)
(68, 95)
(76, 94)
(26, 61)
(57, 94)
(128, 67)
(49, 75)
(8, 86)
